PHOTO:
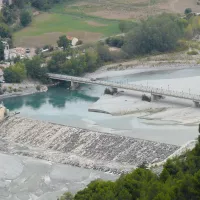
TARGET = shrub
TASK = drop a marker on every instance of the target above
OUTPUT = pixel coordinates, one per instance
(79, 42)
(14, 90)
(4, 90)
(38, 87)
(115, 41)
(193, 52)
(188, 11)
(1, 91)
(146, 98)
(108, 91)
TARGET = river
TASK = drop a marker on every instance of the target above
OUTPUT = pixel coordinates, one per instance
(67, 107)
(37, 179)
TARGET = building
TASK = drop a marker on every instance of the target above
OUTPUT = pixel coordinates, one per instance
(4, 2)
(73, 40)
(6, 50)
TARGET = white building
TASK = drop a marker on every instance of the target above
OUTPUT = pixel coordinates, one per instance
(6, 50)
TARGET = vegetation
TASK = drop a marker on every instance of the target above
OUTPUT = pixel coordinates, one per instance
(15, 73)
(115, 41)
(67, 196)
(73, 64)
(146, 98)
(193, 52)
(25, 18)
(125, 26)
(188, 11)
(157, 34)
(35, 70)
(1, 51)
(179, 180)
(27, 68)
(63, 42)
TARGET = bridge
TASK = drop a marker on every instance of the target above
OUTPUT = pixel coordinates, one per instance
(156, 93)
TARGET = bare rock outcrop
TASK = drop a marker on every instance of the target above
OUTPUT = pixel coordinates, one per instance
(80, 147)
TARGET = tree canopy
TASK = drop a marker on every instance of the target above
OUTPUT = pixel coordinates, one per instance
(157, 34)
(179, 180)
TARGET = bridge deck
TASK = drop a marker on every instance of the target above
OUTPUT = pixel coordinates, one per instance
(134, 87)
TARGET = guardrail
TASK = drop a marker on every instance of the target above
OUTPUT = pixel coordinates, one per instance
(140, 88)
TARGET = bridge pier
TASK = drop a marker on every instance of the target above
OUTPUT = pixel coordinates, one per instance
(196, 104)
(155, 97)
(74, 85)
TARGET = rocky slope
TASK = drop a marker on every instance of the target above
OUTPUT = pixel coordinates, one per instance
(79, 147)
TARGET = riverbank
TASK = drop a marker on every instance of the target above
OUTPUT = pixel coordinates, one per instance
(21, 89)
(168, 109)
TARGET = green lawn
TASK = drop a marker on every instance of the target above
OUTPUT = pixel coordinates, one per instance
(58, 21)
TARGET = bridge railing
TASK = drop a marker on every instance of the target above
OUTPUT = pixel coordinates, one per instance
(140, 88)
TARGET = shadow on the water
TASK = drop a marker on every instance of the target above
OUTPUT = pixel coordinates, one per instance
(14, 103)
(56, 96)
(35, 101)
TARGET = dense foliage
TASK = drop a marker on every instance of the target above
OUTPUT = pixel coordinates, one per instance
(15, 73)
(63, 42)
(117, 41)
(27, 68)
(157, 34)
(1, 51)
(179, 180)
(75, 64)
(25, 18)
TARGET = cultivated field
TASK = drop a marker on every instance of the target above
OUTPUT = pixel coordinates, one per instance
(90, 20)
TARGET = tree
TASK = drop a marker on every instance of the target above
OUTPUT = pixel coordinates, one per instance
(104, 53)
(157, 34)
(35, 70)
(187, 11)
(1, 51)
(15, 73)
(63, 42)
(122, 26)
(67, 196)
(25, 18)
(5, 31)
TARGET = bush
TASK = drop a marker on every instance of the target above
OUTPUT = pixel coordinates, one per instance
(188, 11)
(115, 41)
(110, 91)
(25, 18)
(118, 55)
(38, 87)
(193, 52)
(14, 90)
(146, 98)
(160, 33)
(15, 73)
(4, 90)
(79, 42)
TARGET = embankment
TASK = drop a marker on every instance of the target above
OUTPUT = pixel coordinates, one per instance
(79, 147)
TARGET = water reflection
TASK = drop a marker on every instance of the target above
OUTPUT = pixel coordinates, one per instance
(35, 101)
(56, 96)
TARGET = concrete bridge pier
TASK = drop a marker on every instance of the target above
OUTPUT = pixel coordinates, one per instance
(196, 104)
(155, 97)
(74, 85)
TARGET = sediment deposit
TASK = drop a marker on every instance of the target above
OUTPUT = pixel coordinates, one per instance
(79, 147)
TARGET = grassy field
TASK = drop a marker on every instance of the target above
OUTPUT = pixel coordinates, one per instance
(47, 27)
(90, 20)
